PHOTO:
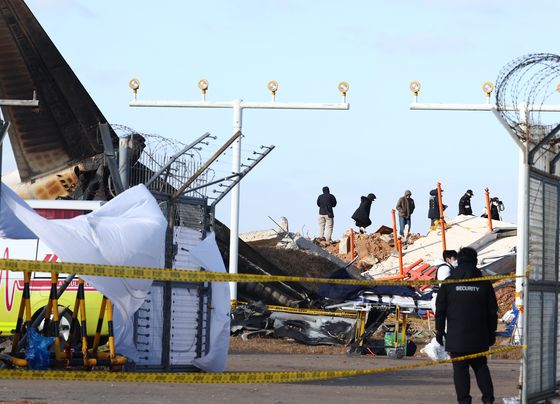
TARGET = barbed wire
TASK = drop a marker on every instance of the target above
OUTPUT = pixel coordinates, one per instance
(525, 84)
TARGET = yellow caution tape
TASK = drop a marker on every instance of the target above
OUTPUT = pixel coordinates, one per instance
(117, 271)
(222, 378)
(297, 310)
(311, 312)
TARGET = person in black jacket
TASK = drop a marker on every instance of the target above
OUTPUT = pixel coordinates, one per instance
(471, 313)
(433, 206)
(465, 203)
(496, 206)
(361, 215)
(326, 202)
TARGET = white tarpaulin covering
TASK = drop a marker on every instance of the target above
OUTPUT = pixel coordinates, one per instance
(128, 230)
(209, 257)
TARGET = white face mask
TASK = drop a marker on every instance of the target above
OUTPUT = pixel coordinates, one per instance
(454, 263)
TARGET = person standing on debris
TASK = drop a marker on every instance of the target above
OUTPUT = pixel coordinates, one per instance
(326, 202)
(470, 311)
(496, 206)
(465, 203)
(433, 210)
(405, 207)
(361, 215)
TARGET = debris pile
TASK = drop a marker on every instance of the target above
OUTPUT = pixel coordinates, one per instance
(496, 249)
(505, 295)
(300, 256)
(370, 249)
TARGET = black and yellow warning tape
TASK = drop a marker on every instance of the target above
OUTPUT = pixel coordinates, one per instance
(205, 276)
(225, 377)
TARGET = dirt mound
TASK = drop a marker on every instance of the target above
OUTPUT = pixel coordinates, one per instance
(370, 248)
(505, 295)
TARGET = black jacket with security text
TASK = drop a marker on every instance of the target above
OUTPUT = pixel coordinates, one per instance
(470, 309)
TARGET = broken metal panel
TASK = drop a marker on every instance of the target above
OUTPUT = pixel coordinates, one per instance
(314, 330)
(62, 131)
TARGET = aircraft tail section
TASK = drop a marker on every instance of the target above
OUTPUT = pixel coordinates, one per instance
(63, 130)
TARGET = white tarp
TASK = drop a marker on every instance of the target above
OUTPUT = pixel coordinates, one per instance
(128, 230)
(209, 257)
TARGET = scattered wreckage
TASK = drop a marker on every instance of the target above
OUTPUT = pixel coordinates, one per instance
(354, 315)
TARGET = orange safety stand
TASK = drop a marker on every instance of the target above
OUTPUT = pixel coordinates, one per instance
(351, 244)
(399, 249)
(441, 219)
(487, 191)
(394, 228)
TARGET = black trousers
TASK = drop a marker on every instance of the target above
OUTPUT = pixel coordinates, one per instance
(462, 378)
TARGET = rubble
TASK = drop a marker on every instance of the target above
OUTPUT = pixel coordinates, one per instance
(462, 231)
(370, 248)
(296, 255)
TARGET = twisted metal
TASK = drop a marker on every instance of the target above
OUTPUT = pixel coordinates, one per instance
(157, 152)
(525, 84)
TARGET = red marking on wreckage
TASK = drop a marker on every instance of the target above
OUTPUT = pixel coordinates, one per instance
(36, 285)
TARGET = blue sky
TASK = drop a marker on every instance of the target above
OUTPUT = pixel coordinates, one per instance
(378, 146)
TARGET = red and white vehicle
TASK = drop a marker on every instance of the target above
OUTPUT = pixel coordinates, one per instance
(11, 283)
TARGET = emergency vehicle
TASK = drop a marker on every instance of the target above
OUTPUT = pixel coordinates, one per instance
(11, 283)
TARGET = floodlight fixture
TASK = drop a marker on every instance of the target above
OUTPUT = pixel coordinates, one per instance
(488, 87)
(415, 87)
(134, 84)
(272, 86)
(203, 85)
(343, 87)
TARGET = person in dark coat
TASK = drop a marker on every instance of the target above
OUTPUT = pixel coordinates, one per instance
(496, 206)
(470, 311)
(433, 206)
(405, 207)
(361, 215)
(465, 203)
(326, 202)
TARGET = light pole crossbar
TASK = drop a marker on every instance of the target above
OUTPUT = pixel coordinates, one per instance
(237, 107)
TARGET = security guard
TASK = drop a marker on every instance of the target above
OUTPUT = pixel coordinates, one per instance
(471, 312)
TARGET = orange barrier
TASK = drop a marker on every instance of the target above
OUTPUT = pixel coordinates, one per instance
(409, 268)
(423, 272)
(487, 191)
(394, 228)
(419, 270)
(399, 249)
(389, 278)
(351, 244)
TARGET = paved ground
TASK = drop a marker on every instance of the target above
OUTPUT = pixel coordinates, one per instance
(422, 385)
